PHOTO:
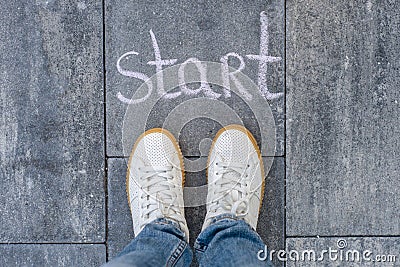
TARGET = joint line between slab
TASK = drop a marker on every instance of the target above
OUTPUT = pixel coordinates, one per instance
(284, 125)
(105, 128)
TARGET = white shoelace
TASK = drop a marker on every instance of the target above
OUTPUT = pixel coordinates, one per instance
(161, 199)
(232, 193)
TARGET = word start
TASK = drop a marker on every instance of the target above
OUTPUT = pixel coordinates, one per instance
(263, 59)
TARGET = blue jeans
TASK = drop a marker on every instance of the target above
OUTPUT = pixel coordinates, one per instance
(228, 241)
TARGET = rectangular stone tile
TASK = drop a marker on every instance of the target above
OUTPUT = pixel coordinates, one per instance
(270, 225)
(343, 128)
(343, 252)
(120, 227)
(51, 125)
(271, 220)
(52, 255)
(207, 30)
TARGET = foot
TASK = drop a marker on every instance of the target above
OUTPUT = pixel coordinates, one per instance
(235, 176)
(155, 180)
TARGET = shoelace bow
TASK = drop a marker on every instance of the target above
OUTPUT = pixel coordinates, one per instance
(161, 199)
(233, 193)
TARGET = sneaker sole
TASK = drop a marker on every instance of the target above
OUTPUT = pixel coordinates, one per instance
(253, 141)
(174, 142)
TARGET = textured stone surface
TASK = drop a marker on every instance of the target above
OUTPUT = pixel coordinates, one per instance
(271, 220)
(343, 128)
(52, 255)
(382, 251)
(342, 107)
(207, 30)
(51, 125)
(120, 227)
(120, 233)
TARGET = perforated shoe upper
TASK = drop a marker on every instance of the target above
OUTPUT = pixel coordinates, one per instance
(235, 176)
(155, 180)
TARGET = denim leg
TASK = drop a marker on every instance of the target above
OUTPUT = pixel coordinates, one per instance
(160, 243)
(229, 241)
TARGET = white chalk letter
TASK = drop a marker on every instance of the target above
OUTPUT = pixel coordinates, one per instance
(136, 75)
(204, 86)
(159, 63)
(264, 59)
(226, 76)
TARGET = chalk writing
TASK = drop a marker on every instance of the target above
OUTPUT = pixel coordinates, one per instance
(264, 59)
(204, 86)
(136, 75)
(159, 63)
(227, 75)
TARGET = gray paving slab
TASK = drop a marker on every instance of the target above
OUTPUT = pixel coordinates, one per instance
(120, 232)
(207, 30)
(343, 252)
(120, 227)
(51, 129)
(52, 255)
(343, 123)
(271, 220)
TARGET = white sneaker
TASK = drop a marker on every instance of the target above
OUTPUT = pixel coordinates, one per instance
(154, 180)
(235, 176)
